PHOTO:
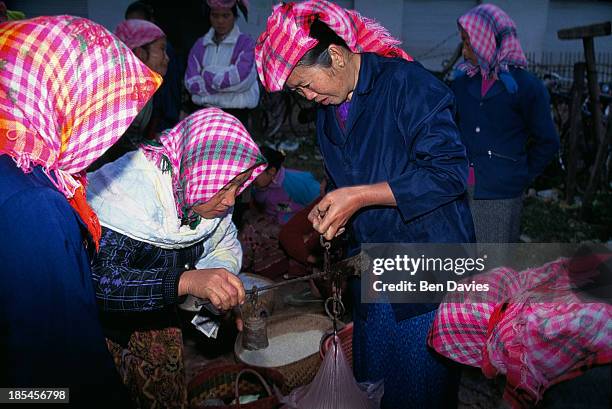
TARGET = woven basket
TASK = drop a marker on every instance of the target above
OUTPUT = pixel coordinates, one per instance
(302, 371)
(346, 342)
(230, 381)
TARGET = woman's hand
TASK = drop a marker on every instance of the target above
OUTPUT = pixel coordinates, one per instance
(222, 288)
(334, 210)
(332, 213)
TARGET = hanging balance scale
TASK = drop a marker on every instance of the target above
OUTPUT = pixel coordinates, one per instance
(255, 331)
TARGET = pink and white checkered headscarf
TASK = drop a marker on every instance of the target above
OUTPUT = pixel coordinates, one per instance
(205, 151)
(286, 38)
(68, 90)
(530, 326)
(494, 40)
(136, 33)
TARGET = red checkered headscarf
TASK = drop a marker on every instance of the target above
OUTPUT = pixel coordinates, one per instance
(493, 38)
(68, 90)
(136, 33)
(204, 152)
(286, 38)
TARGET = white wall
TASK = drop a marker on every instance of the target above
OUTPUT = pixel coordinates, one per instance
(429, 31)
(530, 17)
(109, 13)
(389, 13)
(565, 14)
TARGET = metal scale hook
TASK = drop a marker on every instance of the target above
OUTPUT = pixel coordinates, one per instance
(334, 308)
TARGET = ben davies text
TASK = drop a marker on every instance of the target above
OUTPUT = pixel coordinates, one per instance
(426, 286)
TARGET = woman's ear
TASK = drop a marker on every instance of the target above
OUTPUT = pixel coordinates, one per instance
(337, 55)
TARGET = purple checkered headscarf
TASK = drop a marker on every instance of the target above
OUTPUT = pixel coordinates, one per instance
(204, 152)
(494, 40)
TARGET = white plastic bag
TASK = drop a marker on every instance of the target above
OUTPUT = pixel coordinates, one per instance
(334, 387)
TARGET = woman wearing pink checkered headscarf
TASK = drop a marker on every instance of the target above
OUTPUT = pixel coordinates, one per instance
(168, 237)
(68, 90)
(392, 150)
(500, 106)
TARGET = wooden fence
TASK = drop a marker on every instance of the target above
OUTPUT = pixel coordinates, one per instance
(561, 65)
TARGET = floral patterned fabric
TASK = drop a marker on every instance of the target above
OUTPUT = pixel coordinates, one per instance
(152, 367)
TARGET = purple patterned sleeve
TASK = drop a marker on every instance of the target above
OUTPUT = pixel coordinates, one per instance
(242, 62)
(193, 77)
(209, 77)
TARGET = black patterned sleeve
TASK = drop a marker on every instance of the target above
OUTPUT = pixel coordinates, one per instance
(122, 283)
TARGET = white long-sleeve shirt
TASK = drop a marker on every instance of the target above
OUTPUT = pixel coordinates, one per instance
(223, 75)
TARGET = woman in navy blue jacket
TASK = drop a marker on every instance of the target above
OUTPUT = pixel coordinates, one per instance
(386, 131)
(500, 106)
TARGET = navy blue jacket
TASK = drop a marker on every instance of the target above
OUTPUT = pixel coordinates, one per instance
(50, 335)
(495, 130)
(400, 129)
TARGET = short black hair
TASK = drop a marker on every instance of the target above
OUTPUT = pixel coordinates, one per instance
(275, 158)
(319, 54)
(141, 7)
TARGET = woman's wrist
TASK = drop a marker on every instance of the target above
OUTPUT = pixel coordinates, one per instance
(378, 194)
(184, 283)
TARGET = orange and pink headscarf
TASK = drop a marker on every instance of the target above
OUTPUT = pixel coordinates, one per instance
(204, 152)
(286, 38)
(493, 38)
(68, 90)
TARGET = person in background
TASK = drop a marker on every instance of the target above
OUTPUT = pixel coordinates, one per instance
(390, 146)
(63, 101)
(167, 101)
(167, 236)
(140, 10)
(148, 43)
(281, 192)
(221, 65)
(500, 106)
(277, 195)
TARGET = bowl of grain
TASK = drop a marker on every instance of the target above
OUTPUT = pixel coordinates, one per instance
(294, 341)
